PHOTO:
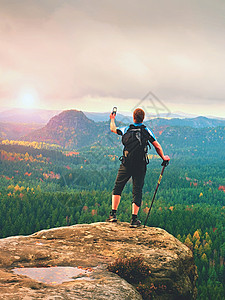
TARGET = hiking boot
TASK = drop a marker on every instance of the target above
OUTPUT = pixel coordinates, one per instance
(135, 223)
(112, 218)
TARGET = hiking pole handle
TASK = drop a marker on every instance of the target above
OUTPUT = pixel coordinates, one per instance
(165, 163)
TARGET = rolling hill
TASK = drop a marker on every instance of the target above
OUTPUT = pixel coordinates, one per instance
(14, 131)
(70, 129)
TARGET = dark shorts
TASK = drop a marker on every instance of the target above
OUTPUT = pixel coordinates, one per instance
(137, 172)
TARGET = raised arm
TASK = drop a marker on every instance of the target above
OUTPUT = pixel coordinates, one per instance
(159, 150)
(112, 123)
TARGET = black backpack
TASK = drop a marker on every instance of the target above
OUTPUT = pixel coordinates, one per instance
(135, 142)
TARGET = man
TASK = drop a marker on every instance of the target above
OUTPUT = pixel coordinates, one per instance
(133, 165)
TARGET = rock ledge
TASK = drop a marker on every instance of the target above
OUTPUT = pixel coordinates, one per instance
(96, 245)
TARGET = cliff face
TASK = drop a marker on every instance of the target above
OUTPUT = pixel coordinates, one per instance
(95, 246)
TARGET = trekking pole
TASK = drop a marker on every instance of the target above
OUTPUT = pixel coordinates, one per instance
(164, 164)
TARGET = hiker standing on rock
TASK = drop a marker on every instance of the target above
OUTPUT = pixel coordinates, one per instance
(135, 139)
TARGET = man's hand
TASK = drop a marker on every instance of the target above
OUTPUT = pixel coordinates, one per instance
(112, 116)
(166, 157)
(112, 123)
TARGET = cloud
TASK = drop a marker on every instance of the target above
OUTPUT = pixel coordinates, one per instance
(71, 50)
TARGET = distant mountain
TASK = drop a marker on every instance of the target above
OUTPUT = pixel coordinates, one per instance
(42, 116)
(198, 122)
(127, 116)
(20, 115)
(70, 129)
(175, 119)
(204, 143)
(103, 117)
(14, 131)
(180, 115)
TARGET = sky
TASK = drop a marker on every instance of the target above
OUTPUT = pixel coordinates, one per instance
(92, 55)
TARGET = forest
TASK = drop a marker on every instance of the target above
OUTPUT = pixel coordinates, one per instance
(44, 186)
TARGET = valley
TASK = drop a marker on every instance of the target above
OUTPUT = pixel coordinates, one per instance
(63, 174)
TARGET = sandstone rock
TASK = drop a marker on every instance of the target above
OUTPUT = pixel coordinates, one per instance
(96, 246)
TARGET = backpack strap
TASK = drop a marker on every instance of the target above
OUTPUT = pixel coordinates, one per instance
(146, 134)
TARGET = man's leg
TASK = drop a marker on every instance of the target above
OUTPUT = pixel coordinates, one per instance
(115, 201)
(138, 177)
(138, 182)
(135, 209)
(115, 204)
(121, 179)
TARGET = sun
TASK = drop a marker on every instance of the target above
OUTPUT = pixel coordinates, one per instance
(28, 98)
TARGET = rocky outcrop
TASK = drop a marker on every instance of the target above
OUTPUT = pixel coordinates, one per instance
(95, 246)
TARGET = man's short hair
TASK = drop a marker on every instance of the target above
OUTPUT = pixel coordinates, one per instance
(138, 115)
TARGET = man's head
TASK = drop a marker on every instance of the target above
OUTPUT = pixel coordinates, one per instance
(138, 115)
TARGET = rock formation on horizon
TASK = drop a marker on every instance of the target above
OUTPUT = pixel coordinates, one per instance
(95, 246)
(70, 129)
